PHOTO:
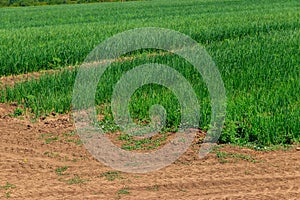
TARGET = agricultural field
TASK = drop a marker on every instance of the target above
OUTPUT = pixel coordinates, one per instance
(254, 44)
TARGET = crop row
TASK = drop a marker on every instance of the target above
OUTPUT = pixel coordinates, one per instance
(260, 73)
(49, 37)
(255, 45)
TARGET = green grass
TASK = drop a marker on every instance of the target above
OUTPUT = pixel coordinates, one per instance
(15, 3)
(255, 45)
(64, 35)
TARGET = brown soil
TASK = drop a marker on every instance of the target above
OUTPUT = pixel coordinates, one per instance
(31, 154)
(13, 79)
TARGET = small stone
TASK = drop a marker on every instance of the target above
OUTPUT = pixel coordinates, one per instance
(298, 148)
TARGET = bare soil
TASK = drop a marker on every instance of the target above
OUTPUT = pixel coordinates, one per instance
(45, 160)
(11, 80)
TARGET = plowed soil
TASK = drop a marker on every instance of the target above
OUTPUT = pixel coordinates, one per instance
(45, 160)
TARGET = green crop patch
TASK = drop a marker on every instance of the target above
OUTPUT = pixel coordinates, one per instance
(254, 44)
(60, 170)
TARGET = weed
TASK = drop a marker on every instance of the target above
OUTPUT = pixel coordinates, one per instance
(17, 112)
(7, 194)
(51, 139)
(247, 172)
(69, 134)
(75, 141)
(224, 157)
(153, 188)
(108, 126)
(51, 154)
(76, 180)
(43, 135)
(141, 144)
(8, 186)
(60, 170)
(111, 175)
(123, 191)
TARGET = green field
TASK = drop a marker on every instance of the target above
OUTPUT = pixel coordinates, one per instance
(255, 44)
(23, 3)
